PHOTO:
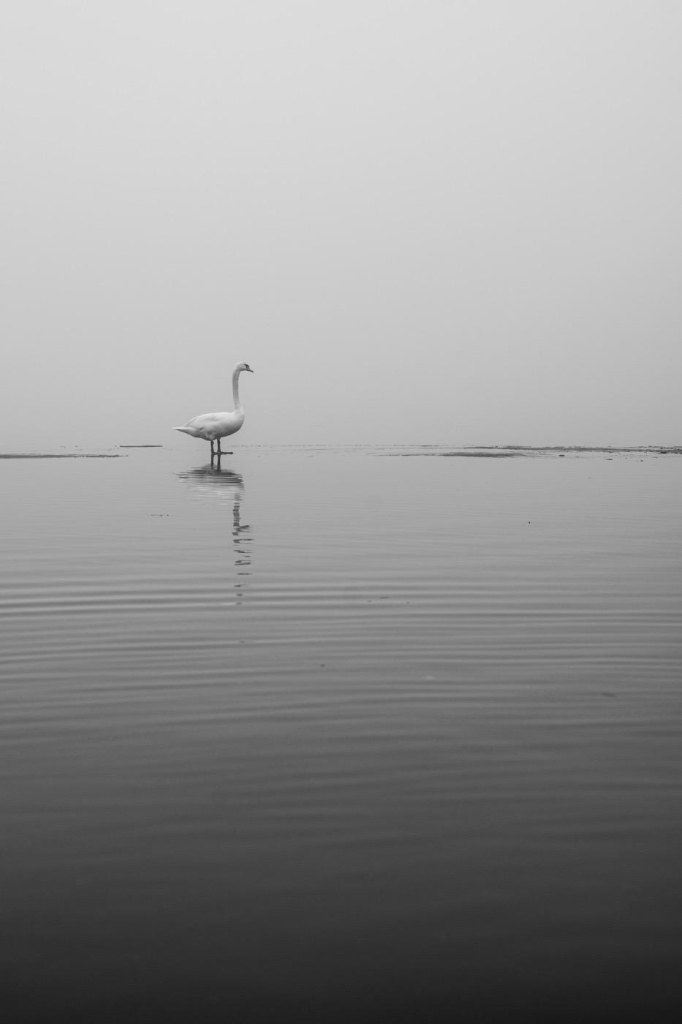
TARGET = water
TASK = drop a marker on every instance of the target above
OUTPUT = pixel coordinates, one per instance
(340, 731)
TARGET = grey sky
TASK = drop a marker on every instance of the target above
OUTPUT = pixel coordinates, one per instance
(418, 220)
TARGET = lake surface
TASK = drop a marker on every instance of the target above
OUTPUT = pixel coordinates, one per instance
(330, 732)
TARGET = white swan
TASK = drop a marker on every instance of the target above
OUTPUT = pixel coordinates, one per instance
(211, 426)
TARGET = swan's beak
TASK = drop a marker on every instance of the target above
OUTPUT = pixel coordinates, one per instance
(249, 370)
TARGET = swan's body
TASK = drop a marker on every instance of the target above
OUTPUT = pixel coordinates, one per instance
(211, 426)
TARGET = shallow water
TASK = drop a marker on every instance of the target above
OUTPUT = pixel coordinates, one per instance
(340, 731)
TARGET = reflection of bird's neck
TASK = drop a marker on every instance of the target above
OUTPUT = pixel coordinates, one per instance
(235, 390)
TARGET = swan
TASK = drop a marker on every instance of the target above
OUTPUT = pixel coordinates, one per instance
(211, 426)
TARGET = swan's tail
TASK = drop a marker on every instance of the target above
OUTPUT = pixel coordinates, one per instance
(187, 430)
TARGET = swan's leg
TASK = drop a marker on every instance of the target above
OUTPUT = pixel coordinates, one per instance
(212, 452)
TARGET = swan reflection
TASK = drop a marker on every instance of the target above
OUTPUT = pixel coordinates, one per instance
(224, 484)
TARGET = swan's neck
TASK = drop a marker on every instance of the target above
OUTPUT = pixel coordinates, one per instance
(235, 389)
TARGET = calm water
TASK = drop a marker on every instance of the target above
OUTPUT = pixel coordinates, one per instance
(338, 731)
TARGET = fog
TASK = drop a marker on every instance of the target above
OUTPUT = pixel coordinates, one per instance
(419, 221)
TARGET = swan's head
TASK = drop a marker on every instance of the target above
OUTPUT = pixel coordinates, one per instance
(243, 366)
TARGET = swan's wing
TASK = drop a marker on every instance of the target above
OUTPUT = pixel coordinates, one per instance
(208, 421)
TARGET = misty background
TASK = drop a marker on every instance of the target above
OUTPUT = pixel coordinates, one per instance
(419, 221)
